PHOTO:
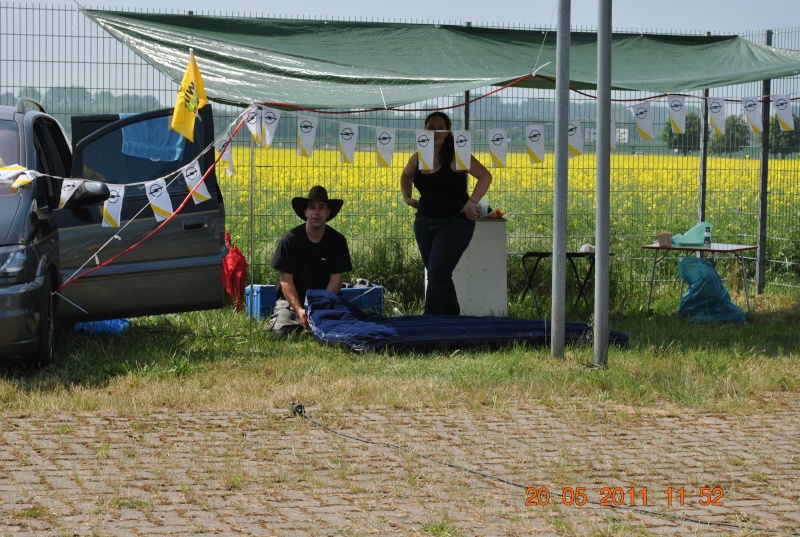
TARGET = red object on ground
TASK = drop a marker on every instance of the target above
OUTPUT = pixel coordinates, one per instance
(234, 273)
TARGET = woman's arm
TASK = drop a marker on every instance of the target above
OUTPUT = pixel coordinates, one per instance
(406, 181)
(484, 177)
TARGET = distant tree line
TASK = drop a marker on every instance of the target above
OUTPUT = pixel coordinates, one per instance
(63, 102)
(736, 137)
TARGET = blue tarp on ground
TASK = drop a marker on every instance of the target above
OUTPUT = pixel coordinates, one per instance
(335, 321)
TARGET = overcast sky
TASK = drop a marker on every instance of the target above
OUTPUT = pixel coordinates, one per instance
(697, 15)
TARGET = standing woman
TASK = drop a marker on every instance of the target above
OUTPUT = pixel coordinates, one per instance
(446, 213)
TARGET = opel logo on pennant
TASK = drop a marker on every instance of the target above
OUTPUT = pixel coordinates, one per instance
(384, 138)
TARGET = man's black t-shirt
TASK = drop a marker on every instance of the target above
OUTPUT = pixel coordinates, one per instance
(310, 263)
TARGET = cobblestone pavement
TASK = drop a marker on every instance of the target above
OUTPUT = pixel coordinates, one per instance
(270, 473)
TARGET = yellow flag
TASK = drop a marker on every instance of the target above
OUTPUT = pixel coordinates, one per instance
(191, 98)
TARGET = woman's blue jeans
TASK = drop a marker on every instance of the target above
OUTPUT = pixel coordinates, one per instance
(441, 243)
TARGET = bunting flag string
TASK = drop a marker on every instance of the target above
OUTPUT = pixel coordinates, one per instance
(498, 139)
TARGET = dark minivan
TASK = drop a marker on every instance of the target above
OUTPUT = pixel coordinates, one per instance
(42, 247)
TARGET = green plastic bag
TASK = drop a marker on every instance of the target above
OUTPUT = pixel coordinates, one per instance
(706, 299)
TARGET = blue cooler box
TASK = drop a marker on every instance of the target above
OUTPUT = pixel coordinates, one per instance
(262, 298)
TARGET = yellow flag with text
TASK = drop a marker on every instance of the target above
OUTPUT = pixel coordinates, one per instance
(191, 98)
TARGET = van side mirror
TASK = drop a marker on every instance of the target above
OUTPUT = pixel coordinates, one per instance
(89, 193)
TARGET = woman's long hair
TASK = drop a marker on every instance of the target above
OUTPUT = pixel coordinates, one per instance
(448, 150)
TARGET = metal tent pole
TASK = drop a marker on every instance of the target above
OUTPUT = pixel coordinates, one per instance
(761, 257)
(602, 228)
(560, 189)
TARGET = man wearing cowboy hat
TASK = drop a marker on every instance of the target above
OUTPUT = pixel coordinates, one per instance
(310, 256)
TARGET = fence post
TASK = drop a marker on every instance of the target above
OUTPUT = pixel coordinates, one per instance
(560, 184)
(701, 201)
(761, 256)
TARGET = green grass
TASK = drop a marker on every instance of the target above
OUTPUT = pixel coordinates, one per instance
(220, 360)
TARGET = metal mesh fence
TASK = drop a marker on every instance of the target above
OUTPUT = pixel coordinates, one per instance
(61, 58)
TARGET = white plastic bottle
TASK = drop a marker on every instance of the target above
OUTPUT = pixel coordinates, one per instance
(707, 236)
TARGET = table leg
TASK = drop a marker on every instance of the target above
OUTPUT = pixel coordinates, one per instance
(652, 277)
(744, 277)
(529, 283)
(582, 281)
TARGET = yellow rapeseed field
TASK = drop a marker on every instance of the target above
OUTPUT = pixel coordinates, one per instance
(648, 193)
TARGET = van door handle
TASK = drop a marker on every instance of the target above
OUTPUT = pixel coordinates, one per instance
(195, 224)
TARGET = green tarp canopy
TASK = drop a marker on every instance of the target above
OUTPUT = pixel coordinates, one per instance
(345, 64)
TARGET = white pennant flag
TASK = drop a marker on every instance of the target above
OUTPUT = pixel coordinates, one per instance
(270, 118)
(385, 147)
(498, 147)
(252, 118)
(192, 174)
(716, 115)
(574, 138)
(534, 138)
(463, 146)
(159, 199)
(783, 112)
(752, 112)
(644, 120)
(348, 138)
(224, 149)
(112, 208)
(9, 174)
(424, 149)
(18, 176)
(677, 113)
(68, 188)
(306, 133)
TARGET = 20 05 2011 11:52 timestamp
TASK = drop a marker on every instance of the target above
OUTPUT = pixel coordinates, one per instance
(629, 497)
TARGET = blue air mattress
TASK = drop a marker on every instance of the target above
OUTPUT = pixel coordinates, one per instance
(337, 322)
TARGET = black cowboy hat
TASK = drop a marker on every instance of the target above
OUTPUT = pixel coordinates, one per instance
(317, 193)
